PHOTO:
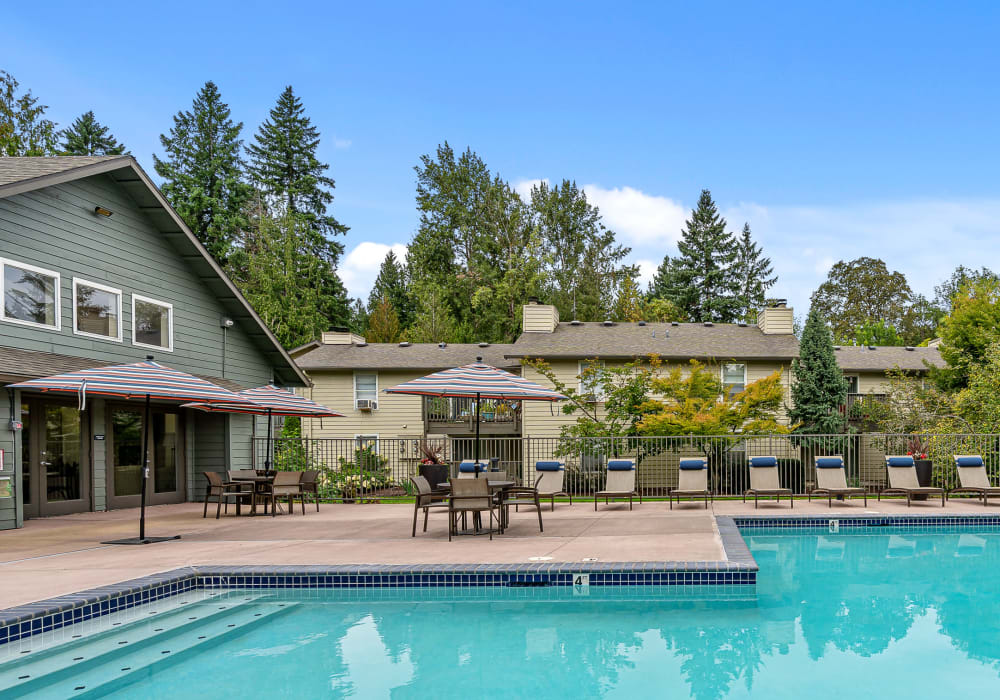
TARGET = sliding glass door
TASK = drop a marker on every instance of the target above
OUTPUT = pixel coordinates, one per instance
(166, 456)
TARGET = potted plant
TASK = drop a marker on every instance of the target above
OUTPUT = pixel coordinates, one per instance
(917, 448)
(433, 466)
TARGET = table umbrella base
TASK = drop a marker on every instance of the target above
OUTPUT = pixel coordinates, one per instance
(143, 540)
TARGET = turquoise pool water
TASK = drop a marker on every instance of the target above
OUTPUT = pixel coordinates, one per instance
(899, 614)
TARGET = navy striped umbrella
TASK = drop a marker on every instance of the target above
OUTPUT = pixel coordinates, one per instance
(149, 380)
(477, 381)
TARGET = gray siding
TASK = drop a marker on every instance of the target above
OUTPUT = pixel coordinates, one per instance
(10, 443)
(99, 452)
(210, 452)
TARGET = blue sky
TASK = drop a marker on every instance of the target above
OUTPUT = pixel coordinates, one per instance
(837, 131)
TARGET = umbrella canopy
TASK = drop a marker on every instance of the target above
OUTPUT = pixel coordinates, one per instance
(271, 400)
(477, 380)
(134, 381)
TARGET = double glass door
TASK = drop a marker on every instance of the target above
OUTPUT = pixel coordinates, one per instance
(166, 457)
(55, 474)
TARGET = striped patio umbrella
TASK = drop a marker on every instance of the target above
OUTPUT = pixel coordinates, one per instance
(478, 381)
(271, 401)
(149, 380)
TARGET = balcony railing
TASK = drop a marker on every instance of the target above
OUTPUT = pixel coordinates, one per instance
(462, 412)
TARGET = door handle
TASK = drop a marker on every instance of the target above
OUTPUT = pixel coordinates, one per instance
(47, 464)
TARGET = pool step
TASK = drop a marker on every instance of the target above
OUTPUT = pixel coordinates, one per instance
(80, 671)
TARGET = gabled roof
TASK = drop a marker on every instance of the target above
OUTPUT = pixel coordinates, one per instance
(855, 358)
(720, 341)
(418, 356)
(19, 175)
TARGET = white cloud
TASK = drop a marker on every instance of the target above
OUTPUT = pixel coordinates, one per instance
(359, 267)
(647, 269)
(524, 187)
(341, 143)
(637, 217)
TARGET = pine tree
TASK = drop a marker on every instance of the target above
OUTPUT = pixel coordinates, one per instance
(818, 388)
(393, 285)
(88, 137)
(434, 322)
(628, 304)
(24, 130)
(700, 279)
(203, 171)
(383, 323)
(754, 276)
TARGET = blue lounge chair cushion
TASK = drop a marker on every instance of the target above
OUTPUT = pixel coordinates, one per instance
(829, 463)
(548, 466)
(692, 464)
(620, 465)
(470, 467)
(906, 461)
(763, 462)
(969, 461)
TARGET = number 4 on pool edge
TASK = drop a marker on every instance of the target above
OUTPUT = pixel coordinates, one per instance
(581, 584)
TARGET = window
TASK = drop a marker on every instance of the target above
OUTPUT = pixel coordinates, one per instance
(852, 383)
(367, 442)
(590, 378)
(97, 310)
(366, 388)
(30, 295)
(734, 378)
(152, 323)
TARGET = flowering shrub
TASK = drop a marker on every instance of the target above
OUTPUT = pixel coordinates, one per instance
(368, 471)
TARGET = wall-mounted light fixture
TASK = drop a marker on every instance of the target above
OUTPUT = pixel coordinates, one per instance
(226, 322)
(101, 211)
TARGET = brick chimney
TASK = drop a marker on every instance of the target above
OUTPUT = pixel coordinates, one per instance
(341, 336)
(776, 319)
(539, 318)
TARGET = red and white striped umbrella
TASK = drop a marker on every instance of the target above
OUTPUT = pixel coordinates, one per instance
(477, 380)
(271, 400)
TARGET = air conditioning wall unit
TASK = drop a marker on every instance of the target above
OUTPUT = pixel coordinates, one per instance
(367, 404)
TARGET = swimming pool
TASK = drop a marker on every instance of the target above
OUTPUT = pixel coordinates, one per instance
(897, 613)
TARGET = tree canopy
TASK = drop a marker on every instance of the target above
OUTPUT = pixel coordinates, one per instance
(819, 388)
(24, 129)
(88, 137)
(859, 291)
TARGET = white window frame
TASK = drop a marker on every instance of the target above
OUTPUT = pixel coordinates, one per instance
(722, 377)
(77, 281)
(581, 366)
(42, 271)
(170, 316)
(366, 436)
(857, 382)
(354, 382)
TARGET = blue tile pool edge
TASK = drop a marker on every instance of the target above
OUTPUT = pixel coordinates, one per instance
(864, 522)
(44, 616)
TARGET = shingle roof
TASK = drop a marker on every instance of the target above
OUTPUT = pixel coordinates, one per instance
(627, 340)
(17, 365)
(19, 169)
(427, 356)
(861, 359)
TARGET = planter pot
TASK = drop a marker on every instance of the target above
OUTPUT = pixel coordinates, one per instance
(924, 470)
(435, 473)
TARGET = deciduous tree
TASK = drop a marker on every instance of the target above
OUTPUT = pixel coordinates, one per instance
(383, 323)
(968, 331)
(859, 291)
(628, 304)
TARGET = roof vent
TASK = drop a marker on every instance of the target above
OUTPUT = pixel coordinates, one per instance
(708, 324)
(642, 323)
(442, 345)
(484, 345)
(675, 323)
(574, 322)
(910, 348)
(362, 344)
(608, 323)
(742, 324)
(871, 347)
(404, 344)
(836, 347)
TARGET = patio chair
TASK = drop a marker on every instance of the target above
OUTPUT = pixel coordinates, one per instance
(831, 479)
(310, 485)
(426, 498)
(972, 477)
(903, 479)
(237, 474)
(620, 482)
(764, 481)
(285, 485)
(467, 468)
(520, 496)
(550, 481)
(470, 496)
(692, 481)
(222, 491)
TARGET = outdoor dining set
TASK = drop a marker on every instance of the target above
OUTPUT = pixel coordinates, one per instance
(264, 488)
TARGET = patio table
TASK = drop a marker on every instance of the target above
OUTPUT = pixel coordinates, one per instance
(259, 481)
(496, 485)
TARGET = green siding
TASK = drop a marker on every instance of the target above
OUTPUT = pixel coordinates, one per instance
(10, 442)
(210, 452)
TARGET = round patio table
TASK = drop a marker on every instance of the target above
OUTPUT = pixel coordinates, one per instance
(259, 481)
(495, 486)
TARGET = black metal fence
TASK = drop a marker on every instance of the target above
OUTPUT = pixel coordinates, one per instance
(377, 469)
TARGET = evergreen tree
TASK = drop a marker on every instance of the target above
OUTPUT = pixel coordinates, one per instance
(701, 280)
(383, 323)
(433, 322)
(754, 276)
(203, 171)
(628, 305)
(88, 137)
(392, 284)
(24, 130)
(818, 388)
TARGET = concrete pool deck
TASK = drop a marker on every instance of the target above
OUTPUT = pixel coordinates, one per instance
(50, 557)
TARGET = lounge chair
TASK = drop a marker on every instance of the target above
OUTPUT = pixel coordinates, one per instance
(467, 469)
(620, 482)
(470, 496)
(426, 498)
(831, 479)
(972, 477)
(222, 491)
(903, 479)
(692, 481)
(551, 481)
(764, 480)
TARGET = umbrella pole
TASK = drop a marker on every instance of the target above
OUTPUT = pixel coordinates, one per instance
(269, 456)
(475, 465)
(145, 471)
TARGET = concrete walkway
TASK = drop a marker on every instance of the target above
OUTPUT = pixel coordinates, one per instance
(54, 556)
